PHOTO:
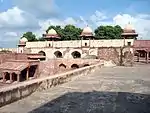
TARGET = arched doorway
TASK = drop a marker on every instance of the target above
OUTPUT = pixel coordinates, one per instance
(58, 54)
(74, 66)
(44, 54)
(76, 54)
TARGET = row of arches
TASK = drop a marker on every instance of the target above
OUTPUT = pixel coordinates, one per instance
(58, 54)
(73, 66)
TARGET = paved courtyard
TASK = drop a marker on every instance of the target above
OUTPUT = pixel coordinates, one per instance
(107, 90)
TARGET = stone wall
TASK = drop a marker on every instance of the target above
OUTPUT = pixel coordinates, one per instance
(51, 67)
(119, 56)
(21, 90)
(12, 56)
(109, 54)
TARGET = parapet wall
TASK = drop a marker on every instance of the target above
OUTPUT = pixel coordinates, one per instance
(21, 90)
(51, 67)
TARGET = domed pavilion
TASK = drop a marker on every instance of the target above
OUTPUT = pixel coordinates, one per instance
(87, 33)
(129, 32)
(22, 41)
(51, 35)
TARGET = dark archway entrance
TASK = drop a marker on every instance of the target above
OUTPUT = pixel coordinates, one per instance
(74, 66)
(76, 54)
(58, 54)
(44, 54)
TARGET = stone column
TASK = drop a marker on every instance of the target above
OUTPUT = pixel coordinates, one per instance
(11, 75)
(27, 76)
(138, 57)
(147, 57)
(18, 77)
(81, 41)
(4, 79)
(37, 72)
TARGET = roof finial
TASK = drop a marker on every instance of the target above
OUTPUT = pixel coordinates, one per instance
(129, 22)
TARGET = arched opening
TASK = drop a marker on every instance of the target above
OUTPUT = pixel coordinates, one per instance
(86, 65)
(14, 76)
(76, 54)
(7, 76)
(58, 54)
(43, 54)
(32, 71)
(74, 66)
(62, 67)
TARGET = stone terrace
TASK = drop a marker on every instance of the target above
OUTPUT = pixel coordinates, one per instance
(115, 90)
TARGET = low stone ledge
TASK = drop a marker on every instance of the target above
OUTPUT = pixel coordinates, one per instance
(18, 91)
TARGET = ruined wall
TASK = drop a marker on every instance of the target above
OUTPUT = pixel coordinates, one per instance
(21, 90)
(109, 54)
(119, 56)
(12, 56)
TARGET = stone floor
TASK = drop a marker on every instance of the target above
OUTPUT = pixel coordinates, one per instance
(107, 90)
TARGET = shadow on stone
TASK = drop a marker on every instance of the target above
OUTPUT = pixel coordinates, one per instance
(97, 102)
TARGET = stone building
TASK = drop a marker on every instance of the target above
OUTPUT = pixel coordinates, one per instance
(53, 48)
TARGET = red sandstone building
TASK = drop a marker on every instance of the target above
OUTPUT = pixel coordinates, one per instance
(24, 65)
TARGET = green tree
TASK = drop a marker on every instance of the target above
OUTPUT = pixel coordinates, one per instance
(41, 39)
(30, 36)
(70, 32)
(108, 32)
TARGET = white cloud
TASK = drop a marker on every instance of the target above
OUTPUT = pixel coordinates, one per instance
(37, 16)
(16, 18)
(140, 22)
(45, 24)
(40, 8)
(98, 16)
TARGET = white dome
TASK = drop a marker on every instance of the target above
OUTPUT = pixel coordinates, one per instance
(23, 39)
(87, 30)
(52, 32)
(129, 27)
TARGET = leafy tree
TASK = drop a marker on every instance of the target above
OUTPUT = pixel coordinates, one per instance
(30, 36)
(41, 39)
(108, 32)
(71, 32)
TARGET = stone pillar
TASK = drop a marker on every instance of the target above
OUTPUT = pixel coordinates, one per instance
(27, 76)
(4, 79)
(18, 77)
(11, 76)
(147, 57)
(37, 72)
(138, 57)
(81, 41)
(124, 41)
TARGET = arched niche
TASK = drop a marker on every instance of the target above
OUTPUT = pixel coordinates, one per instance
(44, 54)
(76, 54)
(74, 66)
(58, 54)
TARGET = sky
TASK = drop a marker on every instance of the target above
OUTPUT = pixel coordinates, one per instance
(19, 16)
